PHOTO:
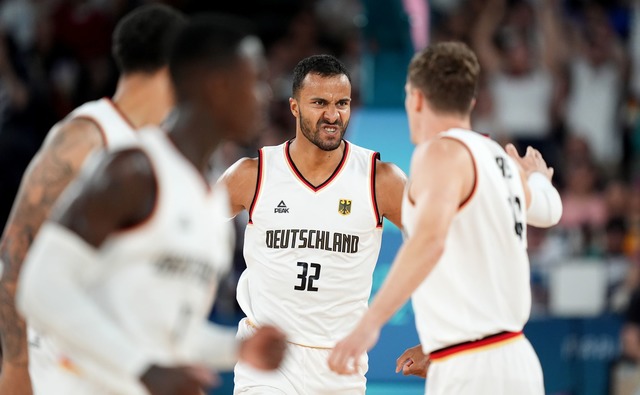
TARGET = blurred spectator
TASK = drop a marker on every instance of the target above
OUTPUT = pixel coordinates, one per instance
(522, 70)
(596, 63)
(584, 205)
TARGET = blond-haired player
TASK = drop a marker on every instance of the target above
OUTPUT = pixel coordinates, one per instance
(465, 261)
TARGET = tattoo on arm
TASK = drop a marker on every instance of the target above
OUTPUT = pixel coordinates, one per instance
(47, 176)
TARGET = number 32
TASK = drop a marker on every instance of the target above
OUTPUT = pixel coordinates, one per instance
(306, 281)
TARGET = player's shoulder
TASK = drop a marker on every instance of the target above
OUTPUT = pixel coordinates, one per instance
(74, 131)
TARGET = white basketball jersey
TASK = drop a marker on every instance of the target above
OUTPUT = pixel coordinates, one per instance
(116, 132)
(311, 250)
(480, 285)
(158, 279)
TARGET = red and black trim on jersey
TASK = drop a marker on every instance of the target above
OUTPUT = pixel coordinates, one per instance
(466, 201)
(299, 175)
(122, 114)
(374, 201)
(258, 186)
(491, 341)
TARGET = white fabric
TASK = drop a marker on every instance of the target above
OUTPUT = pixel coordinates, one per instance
(51, 295)
(592, 107)
(214, 345)
(523, 104)
(303, 371)
(508, 369)
(339, 251)
(481, 282)
(116, 130)
(545, 208)
(157, 280)
(117, 134)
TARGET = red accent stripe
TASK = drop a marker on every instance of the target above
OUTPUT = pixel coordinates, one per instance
(374, 201)
(304, 180)
(455, 349)
(466, 201)
(258, 187)
(122, 114)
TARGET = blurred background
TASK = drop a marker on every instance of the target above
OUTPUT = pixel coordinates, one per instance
(560, 75)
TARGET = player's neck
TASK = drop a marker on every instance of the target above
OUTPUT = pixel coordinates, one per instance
(438, 123)
(145, 99)
(315, 164)
(194, 134)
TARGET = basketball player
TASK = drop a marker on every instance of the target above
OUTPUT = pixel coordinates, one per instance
(123, 275)
(465, 261)
(316, 205)
(141, 43)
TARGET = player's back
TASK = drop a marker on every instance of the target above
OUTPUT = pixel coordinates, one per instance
(480, 285)
(117, 132)
(311, 250)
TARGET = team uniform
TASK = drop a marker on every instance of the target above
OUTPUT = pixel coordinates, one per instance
(471, 309)
(116, 132)
(310, 254)
(156, 280)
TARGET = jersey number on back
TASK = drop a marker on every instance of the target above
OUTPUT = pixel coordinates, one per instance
(306, 279)
(514, 201)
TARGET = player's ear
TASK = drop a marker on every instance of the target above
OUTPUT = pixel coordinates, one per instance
(473, 104)
(418, 100)
(293, 106)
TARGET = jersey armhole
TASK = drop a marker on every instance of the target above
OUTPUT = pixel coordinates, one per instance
(372, 182)
(156, 201)
(103, 134)
(468, 199)
(258, 186)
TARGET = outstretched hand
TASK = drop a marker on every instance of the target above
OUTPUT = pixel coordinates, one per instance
(345, 356)
(413, 362)
(531, 162)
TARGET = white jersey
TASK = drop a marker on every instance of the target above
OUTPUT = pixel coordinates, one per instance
(311, 251)
(159, 278)
(480, 285)
(117, 132)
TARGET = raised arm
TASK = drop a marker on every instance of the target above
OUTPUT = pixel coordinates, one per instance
(55, 165)
(483, 32)
(390, 183)
(241, 182)
(555, 50)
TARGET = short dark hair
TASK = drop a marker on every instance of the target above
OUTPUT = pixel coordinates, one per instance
(143, 38)
(208, 42)
(324, 65)
(447, 73)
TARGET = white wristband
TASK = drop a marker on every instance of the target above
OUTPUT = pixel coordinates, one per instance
(545, 208)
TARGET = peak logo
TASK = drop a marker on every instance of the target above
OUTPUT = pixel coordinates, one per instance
(281, 208)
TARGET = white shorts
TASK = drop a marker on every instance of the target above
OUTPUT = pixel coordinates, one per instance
(304, 371)
(42, 358)
(503, 369)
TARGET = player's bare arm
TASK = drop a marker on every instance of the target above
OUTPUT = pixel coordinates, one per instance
(117, 192)
(241, 180)
(390, 183)
(55, 165)
(436, 194)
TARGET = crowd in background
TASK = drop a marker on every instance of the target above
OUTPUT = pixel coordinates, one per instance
(561, 75)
